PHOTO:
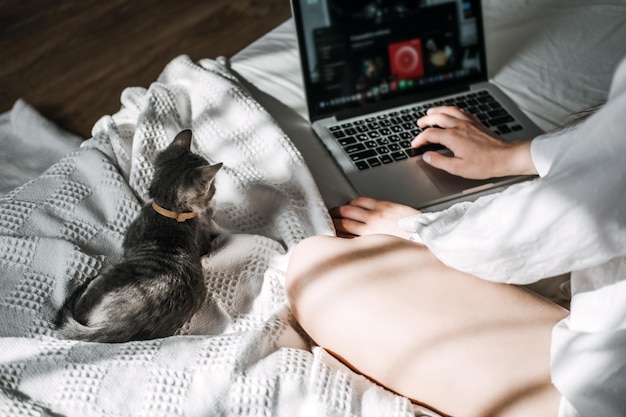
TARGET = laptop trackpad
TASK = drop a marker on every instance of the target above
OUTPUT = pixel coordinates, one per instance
(448, 183)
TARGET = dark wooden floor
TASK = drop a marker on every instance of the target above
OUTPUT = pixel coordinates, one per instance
(71, 59)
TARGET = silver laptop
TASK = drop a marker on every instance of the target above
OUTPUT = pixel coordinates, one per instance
(371, 68)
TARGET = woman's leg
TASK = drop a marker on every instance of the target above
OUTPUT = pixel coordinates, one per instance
(390, 310)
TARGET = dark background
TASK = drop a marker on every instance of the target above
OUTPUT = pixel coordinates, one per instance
(71, 59)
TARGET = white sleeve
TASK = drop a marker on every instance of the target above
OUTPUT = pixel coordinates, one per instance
(545, 149)
(572, 218)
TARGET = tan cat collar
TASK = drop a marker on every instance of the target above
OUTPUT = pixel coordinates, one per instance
(180, 217)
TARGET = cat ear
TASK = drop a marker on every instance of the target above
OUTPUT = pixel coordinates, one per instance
(207, 174)
(217, 167)
(183, 139)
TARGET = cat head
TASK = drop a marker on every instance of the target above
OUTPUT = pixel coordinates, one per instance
(183, 181)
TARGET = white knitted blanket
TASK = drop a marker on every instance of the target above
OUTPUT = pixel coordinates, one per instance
(243, 354)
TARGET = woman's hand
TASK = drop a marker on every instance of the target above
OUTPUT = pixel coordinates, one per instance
(367, 216)
(478, 152)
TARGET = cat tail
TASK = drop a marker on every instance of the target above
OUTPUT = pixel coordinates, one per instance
(72, 329)
(68, 327)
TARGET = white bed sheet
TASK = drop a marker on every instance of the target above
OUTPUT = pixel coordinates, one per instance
(270, 68)
(554, 58)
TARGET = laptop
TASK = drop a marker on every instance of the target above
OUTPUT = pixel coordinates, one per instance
(371, 68)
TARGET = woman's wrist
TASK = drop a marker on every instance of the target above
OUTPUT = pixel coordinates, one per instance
(519, 160)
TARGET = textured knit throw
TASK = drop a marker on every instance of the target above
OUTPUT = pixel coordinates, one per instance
(242, 354)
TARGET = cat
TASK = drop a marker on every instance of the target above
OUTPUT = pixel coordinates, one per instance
(158, 285)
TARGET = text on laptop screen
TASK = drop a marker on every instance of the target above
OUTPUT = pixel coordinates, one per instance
(364, 51)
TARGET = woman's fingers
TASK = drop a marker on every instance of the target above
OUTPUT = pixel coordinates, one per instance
(452, 111)
(365, 215)
(350, 218)
(347, 227)
(357, 209)
(364, 202)
(431, 135)
(443, 162)
(445, 117)
(442, 120)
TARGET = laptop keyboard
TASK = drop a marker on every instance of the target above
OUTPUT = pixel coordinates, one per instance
(386, 138)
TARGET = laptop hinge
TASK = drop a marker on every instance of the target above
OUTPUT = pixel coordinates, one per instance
(403, 101)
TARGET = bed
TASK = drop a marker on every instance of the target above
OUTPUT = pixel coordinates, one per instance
(242, 353)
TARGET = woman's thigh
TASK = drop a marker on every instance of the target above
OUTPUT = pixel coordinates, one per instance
(390, 310)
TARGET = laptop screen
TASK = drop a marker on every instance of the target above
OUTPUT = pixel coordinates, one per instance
(360, 55)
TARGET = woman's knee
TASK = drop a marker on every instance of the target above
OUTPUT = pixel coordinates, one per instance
(317, 257)
(306, 280)
(303, 262)
(324, 270)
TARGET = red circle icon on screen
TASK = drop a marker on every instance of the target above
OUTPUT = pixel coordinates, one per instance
(406, 59)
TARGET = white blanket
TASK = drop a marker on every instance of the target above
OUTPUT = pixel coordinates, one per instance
(246, 356)
(29, 144)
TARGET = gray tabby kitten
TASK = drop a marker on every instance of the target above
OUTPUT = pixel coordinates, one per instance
(159, 284)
